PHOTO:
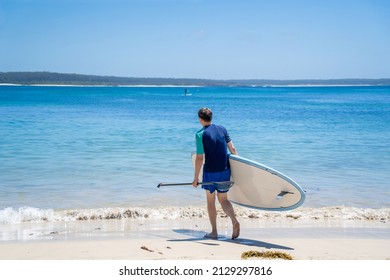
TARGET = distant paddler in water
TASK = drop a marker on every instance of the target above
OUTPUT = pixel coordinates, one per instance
(187, 92)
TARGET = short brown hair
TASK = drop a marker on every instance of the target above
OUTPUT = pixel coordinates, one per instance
(205, 114)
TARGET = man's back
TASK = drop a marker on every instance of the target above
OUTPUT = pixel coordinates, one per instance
(215, 138)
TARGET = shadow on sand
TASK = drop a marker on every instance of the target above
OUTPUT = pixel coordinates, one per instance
(198, 236)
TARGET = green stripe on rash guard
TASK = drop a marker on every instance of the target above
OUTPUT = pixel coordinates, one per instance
(199, 142)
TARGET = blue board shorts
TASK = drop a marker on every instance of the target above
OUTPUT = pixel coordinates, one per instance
(222, 176)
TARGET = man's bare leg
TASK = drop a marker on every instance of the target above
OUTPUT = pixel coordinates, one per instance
(212, 210)
(228, 209)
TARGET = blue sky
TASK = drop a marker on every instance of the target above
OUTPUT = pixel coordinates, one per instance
(242, 39)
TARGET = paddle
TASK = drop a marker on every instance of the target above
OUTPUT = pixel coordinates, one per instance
(220, 185)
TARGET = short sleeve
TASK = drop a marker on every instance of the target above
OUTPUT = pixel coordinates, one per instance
(199, 142)
(227, 137)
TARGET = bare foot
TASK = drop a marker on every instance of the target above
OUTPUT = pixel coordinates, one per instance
(211, 235)
(236, 230)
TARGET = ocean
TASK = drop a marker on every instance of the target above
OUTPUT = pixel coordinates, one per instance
(92, 148)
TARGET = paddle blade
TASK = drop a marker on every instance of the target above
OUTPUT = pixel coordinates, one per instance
(223, 186)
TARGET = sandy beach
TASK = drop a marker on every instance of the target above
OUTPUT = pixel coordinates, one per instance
(163, 249)
(183, 239)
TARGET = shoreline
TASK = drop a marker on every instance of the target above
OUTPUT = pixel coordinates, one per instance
(336, 214)
(194, 86)
(77, 85)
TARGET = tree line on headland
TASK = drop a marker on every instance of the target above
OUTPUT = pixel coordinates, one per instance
(50, 78)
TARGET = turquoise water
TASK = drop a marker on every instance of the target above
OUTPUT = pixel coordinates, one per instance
(93, 147)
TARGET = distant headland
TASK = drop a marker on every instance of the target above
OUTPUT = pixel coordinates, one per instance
(51, 78)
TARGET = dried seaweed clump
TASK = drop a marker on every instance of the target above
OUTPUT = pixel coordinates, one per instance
(266, 255)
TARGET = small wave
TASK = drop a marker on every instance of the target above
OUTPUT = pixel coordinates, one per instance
(25, 214)
(31, 214)
(34, 215)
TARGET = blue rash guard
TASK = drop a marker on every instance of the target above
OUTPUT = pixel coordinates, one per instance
(212, 142)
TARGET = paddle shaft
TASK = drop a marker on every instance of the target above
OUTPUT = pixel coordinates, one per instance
(187, 184)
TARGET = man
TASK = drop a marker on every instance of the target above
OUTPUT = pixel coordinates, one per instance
(212, 142)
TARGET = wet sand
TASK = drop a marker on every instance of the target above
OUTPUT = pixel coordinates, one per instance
(183, 239)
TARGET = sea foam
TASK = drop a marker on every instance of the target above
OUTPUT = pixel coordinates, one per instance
(340, 213)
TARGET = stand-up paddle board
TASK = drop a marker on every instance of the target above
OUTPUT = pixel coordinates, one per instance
(261, 187)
